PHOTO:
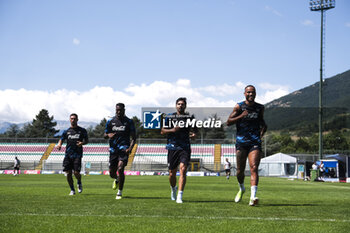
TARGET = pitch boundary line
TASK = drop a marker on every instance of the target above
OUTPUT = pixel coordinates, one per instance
(181, 217)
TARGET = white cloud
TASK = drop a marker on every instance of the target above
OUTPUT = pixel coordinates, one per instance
(271, 92)
(270, 9)
(307, 22)
(76, 41)
(347, 24)
(224, 89)
(93, 105)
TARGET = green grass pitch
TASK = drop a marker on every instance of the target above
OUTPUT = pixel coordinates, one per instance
(40, 203)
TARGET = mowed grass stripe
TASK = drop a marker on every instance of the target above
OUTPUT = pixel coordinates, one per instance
(40, 203)
(179, 217)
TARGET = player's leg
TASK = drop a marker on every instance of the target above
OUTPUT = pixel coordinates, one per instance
(172, 181)
(16, 171)
(122, 162)
(182, 182)
(254, 161)
(113, 167)
(68, 166)
(70, 182)
(77, 168)
(172, 166)
(172, 177)
(241, 160)
(182, 179)
(121, 166)
(185, 157)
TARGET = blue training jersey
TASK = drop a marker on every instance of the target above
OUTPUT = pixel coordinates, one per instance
(249, 127)
(122, 128)
(181, 139)
(73, 135)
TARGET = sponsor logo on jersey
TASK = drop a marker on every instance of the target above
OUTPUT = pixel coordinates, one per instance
(73, 136)
(252, 115)
(119, 128)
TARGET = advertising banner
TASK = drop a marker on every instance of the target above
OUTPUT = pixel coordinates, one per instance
(32, 172)
(195, 173)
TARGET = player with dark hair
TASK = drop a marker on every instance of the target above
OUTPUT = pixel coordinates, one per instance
(227, 168)
(179, 148)
(16, 166)
(249, 119)
(118, 130)
(76, 137)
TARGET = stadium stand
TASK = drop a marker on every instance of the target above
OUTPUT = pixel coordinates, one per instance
(227, 151)
(92, 153)
(151, 154)
(154, 156)
(24, 151)
(205, 152)
(156, 153)
(146, 156)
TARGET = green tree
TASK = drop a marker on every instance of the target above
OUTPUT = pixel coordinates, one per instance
(335, 141)
(215, 133)
(90, 131)
(12, 131)
(301, 145)
(279, 143)
(140, 131)
(99, 129)
(42, 126)
(313, 142)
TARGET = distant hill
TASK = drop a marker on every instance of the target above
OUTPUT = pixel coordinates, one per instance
(299, 110)
(336, 93)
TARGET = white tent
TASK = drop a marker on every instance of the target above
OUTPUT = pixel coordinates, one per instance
(279, 158)
(278, 165)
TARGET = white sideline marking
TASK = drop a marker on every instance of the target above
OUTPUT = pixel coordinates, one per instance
(182, 217)
(331, 186)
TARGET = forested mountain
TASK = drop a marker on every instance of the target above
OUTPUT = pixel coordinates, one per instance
(335, 94)
(298, 111)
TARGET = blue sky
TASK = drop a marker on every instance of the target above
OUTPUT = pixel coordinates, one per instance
(84, 56)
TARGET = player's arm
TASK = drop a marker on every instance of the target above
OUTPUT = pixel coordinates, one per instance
(108, 131)
(85, 139)
(263, 126)
(132, 142)
(133, 137)
(60, 142)
(193, 130)
(235, 116)
(192, 135)
(172, 130)
(166, 130)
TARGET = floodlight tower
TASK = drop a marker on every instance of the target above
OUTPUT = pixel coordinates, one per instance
(321, 5)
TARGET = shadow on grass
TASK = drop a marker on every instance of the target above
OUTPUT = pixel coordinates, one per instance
(149, 198)
(95, 194)
(208, 201)
(285, 204)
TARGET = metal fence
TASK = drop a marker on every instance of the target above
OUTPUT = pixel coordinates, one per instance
(6, 162)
